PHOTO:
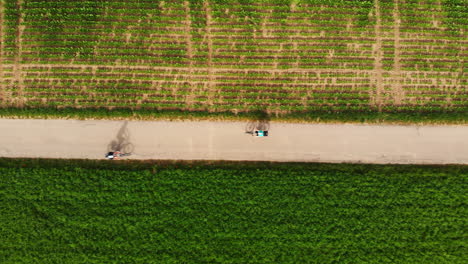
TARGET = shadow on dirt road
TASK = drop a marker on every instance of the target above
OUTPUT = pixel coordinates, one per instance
(122, 141)
(260, 121)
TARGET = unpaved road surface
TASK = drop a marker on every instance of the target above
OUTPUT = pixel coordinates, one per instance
(228, 141)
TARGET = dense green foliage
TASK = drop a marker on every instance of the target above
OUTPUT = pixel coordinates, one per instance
(281, 56)
(116, 212)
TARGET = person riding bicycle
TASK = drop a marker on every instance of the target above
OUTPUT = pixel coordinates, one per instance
(113, 155)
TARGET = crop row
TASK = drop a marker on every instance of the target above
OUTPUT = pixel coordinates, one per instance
(111, 22)
(299, 57)
(158, 86)
(126, 70)
(221, 83)
(261, 48)
(242, 10)
(218, 78)
(290, 41)
(411, 64)
(184, 62)
(197, 90)
(252, 104)
(228, 74)
(233, 101)
(274, 31)
(246, 63)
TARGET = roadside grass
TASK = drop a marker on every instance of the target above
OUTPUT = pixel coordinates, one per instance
(72, 211)
(368, 115)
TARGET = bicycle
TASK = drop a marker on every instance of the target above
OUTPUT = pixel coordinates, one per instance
(116, 155)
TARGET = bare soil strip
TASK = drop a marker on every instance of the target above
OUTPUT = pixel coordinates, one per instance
(188, 28)
(211, 83)
(398, 92)
(198, 69)
(228, 141)
(17, 65)
(116, 68)
(376, 97)
(188, 39)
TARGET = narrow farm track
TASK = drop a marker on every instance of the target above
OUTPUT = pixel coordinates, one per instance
(168, 68)
(209, 41)
(228, 141)
(188, 29)
(220, 69)
(376, 96)
(189, 43)
(17, 65)
(398, 92)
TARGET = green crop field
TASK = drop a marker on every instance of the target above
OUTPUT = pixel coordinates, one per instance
(279, 56)
(98, 212)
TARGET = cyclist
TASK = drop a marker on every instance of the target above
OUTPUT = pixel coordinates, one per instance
(113, 155)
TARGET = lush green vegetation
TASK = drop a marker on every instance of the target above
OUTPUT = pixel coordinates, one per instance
(281, 56)
(361, 116)
(54, 211)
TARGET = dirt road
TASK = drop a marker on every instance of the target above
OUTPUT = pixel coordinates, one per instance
(228, 141)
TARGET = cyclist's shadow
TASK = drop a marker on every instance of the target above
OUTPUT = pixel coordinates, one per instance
(122, 141)
(260, 121)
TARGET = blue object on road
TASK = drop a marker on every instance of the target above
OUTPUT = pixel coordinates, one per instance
(261, 133)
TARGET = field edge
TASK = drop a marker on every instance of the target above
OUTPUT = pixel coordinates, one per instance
(319, 116)
(132, 165)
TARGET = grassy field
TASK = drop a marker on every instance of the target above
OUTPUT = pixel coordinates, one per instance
(55, 211)
(279, 56)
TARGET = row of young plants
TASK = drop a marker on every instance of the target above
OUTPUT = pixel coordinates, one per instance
(223, 76)
(252, 45)
(239, 62)
(182, 9)
(151, 34)
(68, 15)
(238, 47)
(171, 94)
(195, 89)
(266, 89)
(177, 39)
(309, 78)
(201, 62)
(133, 94)
(178, 10)
(232, 73)
(222, 48)
(182, 51)
(236, 103)
(425, 103)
